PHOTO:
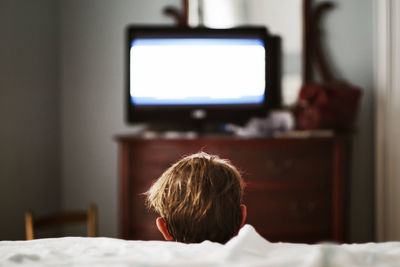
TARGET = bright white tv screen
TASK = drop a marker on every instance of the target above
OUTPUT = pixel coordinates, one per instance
(197, 71)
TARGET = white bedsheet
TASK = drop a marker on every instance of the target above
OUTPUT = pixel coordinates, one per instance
(246, 249)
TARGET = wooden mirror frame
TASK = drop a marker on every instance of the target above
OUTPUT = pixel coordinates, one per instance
(312, 46)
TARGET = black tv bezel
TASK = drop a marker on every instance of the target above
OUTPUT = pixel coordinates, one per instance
(236, 113)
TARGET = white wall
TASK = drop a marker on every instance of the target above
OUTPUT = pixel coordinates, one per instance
(29, 129)
(92, 107)
(348, 31)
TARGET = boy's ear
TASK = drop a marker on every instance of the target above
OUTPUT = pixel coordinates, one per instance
(162, 227)
(244, 214)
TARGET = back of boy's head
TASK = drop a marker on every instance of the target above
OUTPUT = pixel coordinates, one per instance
(199, 198)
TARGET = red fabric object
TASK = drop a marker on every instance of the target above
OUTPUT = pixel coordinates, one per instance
(327, 106)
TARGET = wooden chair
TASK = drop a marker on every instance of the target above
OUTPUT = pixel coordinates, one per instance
(70, 217)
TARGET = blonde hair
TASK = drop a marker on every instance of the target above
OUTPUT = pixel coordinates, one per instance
(199, 198)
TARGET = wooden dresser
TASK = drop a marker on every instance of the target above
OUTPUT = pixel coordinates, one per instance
(294, 188)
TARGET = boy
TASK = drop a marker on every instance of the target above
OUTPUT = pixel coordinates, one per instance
(199, 198)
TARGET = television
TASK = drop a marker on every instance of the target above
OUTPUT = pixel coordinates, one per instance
(180, 75)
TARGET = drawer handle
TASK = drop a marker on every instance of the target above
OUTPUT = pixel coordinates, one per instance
(280, 167)
(301, 210)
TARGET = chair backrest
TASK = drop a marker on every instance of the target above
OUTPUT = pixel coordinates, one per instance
(89, 217)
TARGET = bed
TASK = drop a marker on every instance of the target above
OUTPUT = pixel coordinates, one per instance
(248, 248)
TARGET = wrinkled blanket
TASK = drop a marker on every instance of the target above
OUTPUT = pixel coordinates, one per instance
(248, 248)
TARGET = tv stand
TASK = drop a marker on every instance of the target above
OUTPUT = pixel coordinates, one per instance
(295, 186)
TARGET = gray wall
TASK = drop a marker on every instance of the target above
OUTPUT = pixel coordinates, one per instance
(349, 38)
(92, 86)
(29, 112)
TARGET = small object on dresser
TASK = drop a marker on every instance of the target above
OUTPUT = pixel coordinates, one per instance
(331, 105)
(277, 122)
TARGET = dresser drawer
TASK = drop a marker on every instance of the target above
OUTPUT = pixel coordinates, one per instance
(299, 164)
(311, 163)
(143, 219)
(289, 211)
(149, 159)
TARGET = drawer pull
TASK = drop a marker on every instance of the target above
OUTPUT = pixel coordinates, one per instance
(280, 167)
(311, 206)
(301, 210)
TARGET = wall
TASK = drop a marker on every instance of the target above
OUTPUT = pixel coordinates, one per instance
(348, 33)
(29, 112)
(92, 107)
(92, 84)
(91, 91)
(269, 13)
